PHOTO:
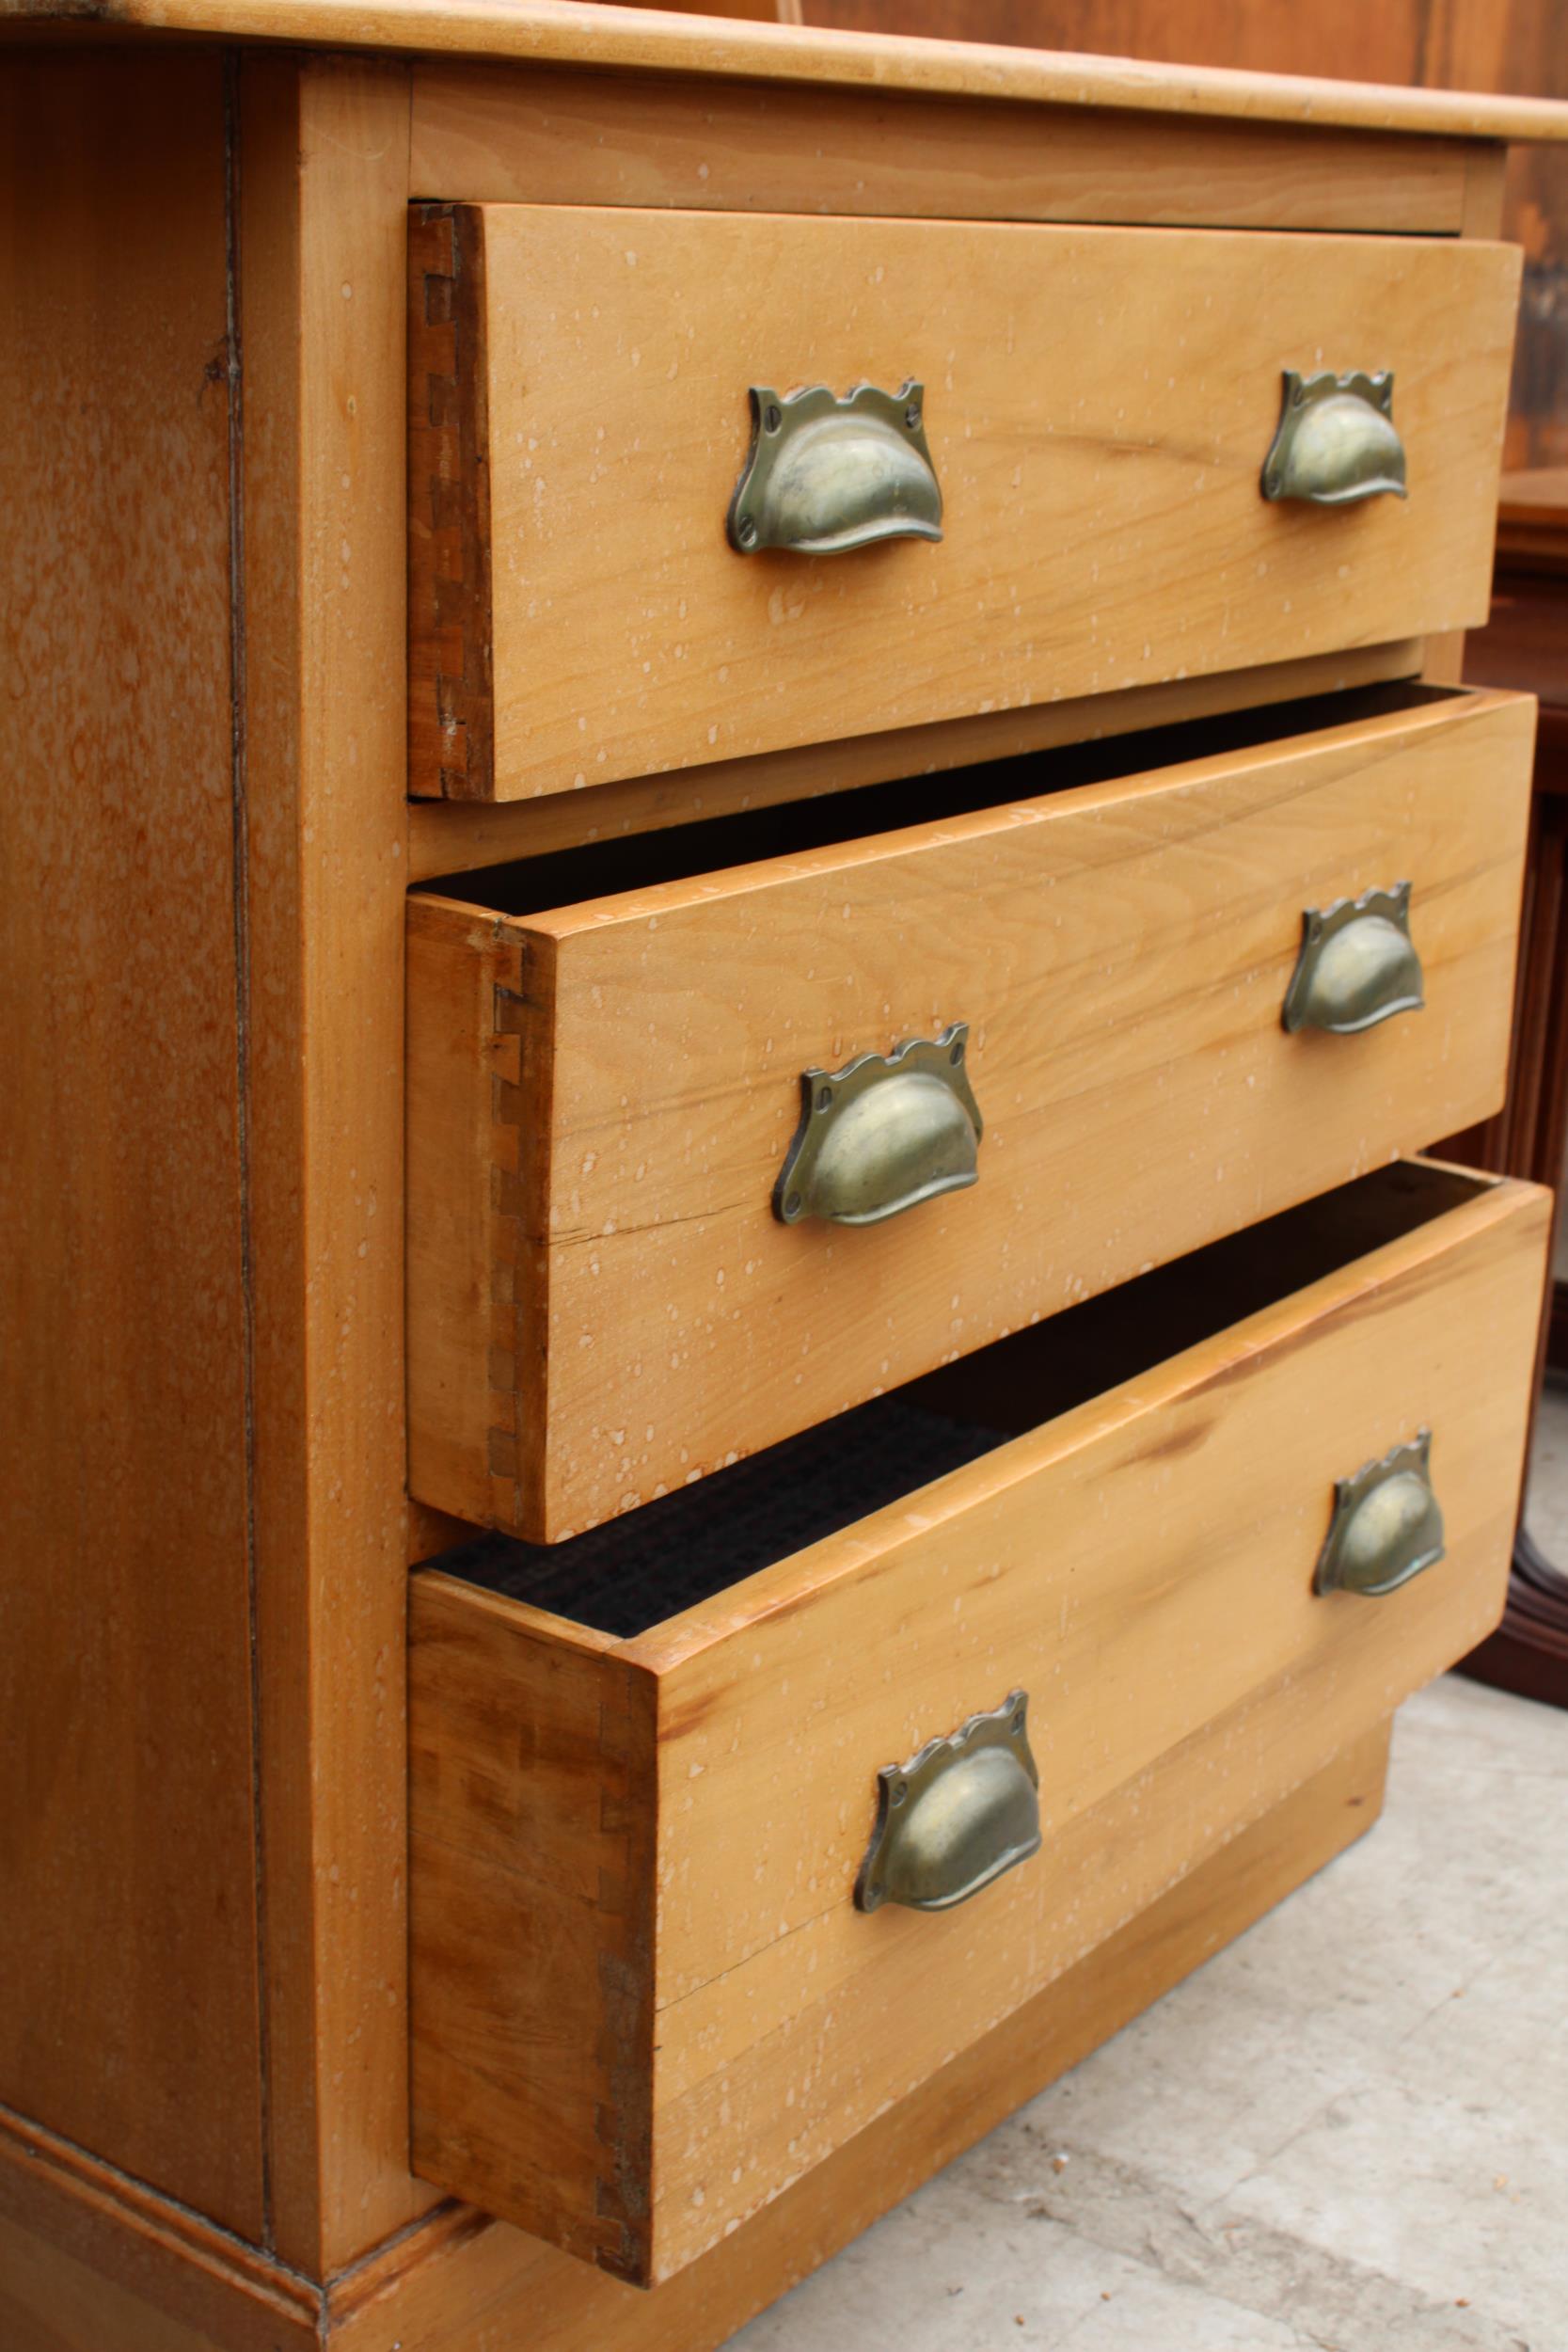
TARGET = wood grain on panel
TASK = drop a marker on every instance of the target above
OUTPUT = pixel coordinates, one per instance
(1184, 1677)
(562, 1873)
(128, 1955)
(488, 134)
(1099, 403)
(324, 222)
(583, 31)
(1121, 952)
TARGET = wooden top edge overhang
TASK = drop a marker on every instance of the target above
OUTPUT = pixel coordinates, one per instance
(568, 32)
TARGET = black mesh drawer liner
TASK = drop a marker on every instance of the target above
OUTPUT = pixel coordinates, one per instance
(632, 1572)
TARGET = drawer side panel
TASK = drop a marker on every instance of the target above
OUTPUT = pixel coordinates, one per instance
(531, 1923)
(480, 1061)
(451, 711)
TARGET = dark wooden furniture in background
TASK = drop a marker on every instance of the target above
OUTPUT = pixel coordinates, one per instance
(1527, 642)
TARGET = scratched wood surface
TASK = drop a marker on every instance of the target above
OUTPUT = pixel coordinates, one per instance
(1182, 1676)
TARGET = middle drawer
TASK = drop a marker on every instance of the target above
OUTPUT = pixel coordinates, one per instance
(634, 1133)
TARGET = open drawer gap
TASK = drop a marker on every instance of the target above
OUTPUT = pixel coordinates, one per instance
(600, 870)
(718, 1133)
(633, 1573)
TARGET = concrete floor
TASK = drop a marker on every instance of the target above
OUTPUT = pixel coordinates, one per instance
(1348, 2133)
(1548, 1485)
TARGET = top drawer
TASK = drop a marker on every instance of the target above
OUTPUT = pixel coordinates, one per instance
(1098, 407)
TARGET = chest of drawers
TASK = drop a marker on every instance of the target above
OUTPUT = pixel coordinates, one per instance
(742, 871)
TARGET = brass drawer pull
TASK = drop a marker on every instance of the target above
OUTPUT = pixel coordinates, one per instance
(1357, 964)
(1387, 1524)
(883, 1134)
(956, 1817)
(825, 475)
(1336, 440)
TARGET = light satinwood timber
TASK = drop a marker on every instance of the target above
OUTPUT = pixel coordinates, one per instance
(318, 156)
(503, 134)
(479, 2277)
(129, 2015)
(322, 225)
(569, 32)
(89, 2262)
(578, 2031)
(600, 1098)
(454, 836)
(1182, 1677)
(1099, 403)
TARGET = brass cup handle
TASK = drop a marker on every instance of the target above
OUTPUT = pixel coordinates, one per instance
(883, 1134)
(1387, 1526)
(956, 1817)
(825, 475)
(1336, 440)
(1357, 964)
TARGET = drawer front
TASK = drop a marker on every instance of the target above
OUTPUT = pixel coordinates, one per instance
(1098, 407)
(604, 1303)
(645, 1999)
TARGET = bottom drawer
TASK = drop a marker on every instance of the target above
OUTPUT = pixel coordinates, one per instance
(675, 1812)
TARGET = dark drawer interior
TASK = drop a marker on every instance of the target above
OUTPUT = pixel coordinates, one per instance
(636, 1571)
